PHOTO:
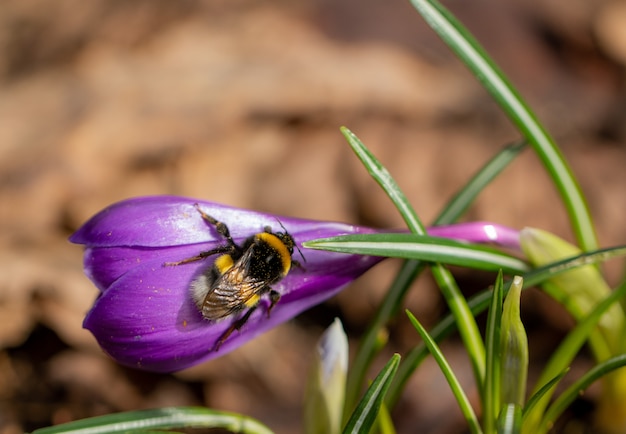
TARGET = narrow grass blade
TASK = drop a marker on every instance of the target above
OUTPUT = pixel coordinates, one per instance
(425, 248)
(572, 392)
(565, 353)
(455, 300)
(491, 393)
(476, 59)
(480, 302)
(157, 432)
(411, 269)
(457, 205)
(382, 176)
(163, 418)
(455, 386)
(539, 394)
(578, 290)
(364, 416)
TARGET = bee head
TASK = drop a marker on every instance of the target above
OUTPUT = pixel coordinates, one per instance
(288, 240)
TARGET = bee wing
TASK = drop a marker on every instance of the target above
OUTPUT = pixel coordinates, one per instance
(233, 291)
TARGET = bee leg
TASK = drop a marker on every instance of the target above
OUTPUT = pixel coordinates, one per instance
(274, 297)
(234, 326)
(221, 228)
(201, 255)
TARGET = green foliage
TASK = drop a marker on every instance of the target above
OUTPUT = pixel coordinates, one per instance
(364, 416)
(160, 419)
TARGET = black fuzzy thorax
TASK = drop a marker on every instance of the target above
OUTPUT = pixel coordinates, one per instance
(264, 261)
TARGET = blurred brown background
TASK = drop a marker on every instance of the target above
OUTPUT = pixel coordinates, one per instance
(240, 102)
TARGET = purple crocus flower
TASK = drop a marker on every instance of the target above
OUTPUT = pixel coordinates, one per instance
(144, 316)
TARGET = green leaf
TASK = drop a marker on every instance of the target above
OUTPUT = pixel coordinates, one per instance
(491, 394)
(465, 46)
(163, 418)
(457, 303)
(382, 176)
(150, 431)
(480, 302)
(364, 415)
(422, 247)
(411, 269)
(572, 392)
(455, 386)
(156, 432)
(547, 271)
(578, 290)
(543, 391)
(510, 419)
(368, 349)
(562, 357)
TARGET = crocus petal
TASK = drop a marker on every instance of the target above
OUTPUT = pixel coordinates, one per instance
(145, 317)
(141, 229)
(163, 221)
(479, 232)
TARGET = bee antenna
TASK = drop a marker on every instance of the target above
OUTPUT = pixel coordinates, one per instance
(300, 251)
(294, 242)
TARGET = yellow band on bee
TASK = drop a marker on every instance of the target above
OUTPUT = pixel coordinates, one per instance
(223, 263)
(280, 247)
(252, 301)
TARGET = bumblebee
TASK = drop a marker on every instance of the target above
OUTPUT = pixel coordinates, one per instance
(241, 275)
